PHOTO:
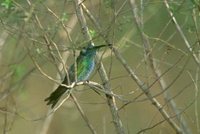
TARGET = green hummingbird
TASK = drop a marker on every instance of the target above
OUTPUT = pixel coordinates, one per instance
(85, 64)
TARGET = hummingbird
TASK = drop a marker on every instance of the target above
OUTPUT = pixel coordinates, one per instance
(85, 64)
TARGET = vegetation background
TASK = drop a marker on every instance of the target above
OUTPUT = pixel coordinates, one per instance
(149, 77)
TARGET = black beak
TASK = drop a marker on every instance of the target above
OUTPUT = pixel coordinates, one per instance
(100, 46)
(97, 47)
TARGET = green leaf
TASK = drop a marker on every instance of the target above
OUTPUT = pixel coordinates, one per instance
(7, 4)
(64, 17)
(92, 33)
(19, 71)
(109, 3)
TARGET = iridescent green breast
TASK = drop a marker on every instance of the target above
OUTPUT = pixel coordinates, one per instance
(85, 66)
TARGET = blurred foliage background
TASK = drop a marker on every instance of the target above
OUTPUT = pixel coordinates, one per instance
(158, 39)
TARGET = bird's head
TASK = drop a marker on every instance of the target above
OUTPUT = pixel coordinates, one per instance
(90, 50)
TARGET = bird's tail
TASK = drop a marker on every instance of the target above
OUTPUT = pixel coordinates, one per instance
(55, 96)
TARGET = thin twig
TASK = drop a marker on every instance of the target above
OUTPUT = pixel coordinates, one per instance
(189, 47)
(195, 81)
(93, 131)
(153, 64)
(110, 99)
(144, 88)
